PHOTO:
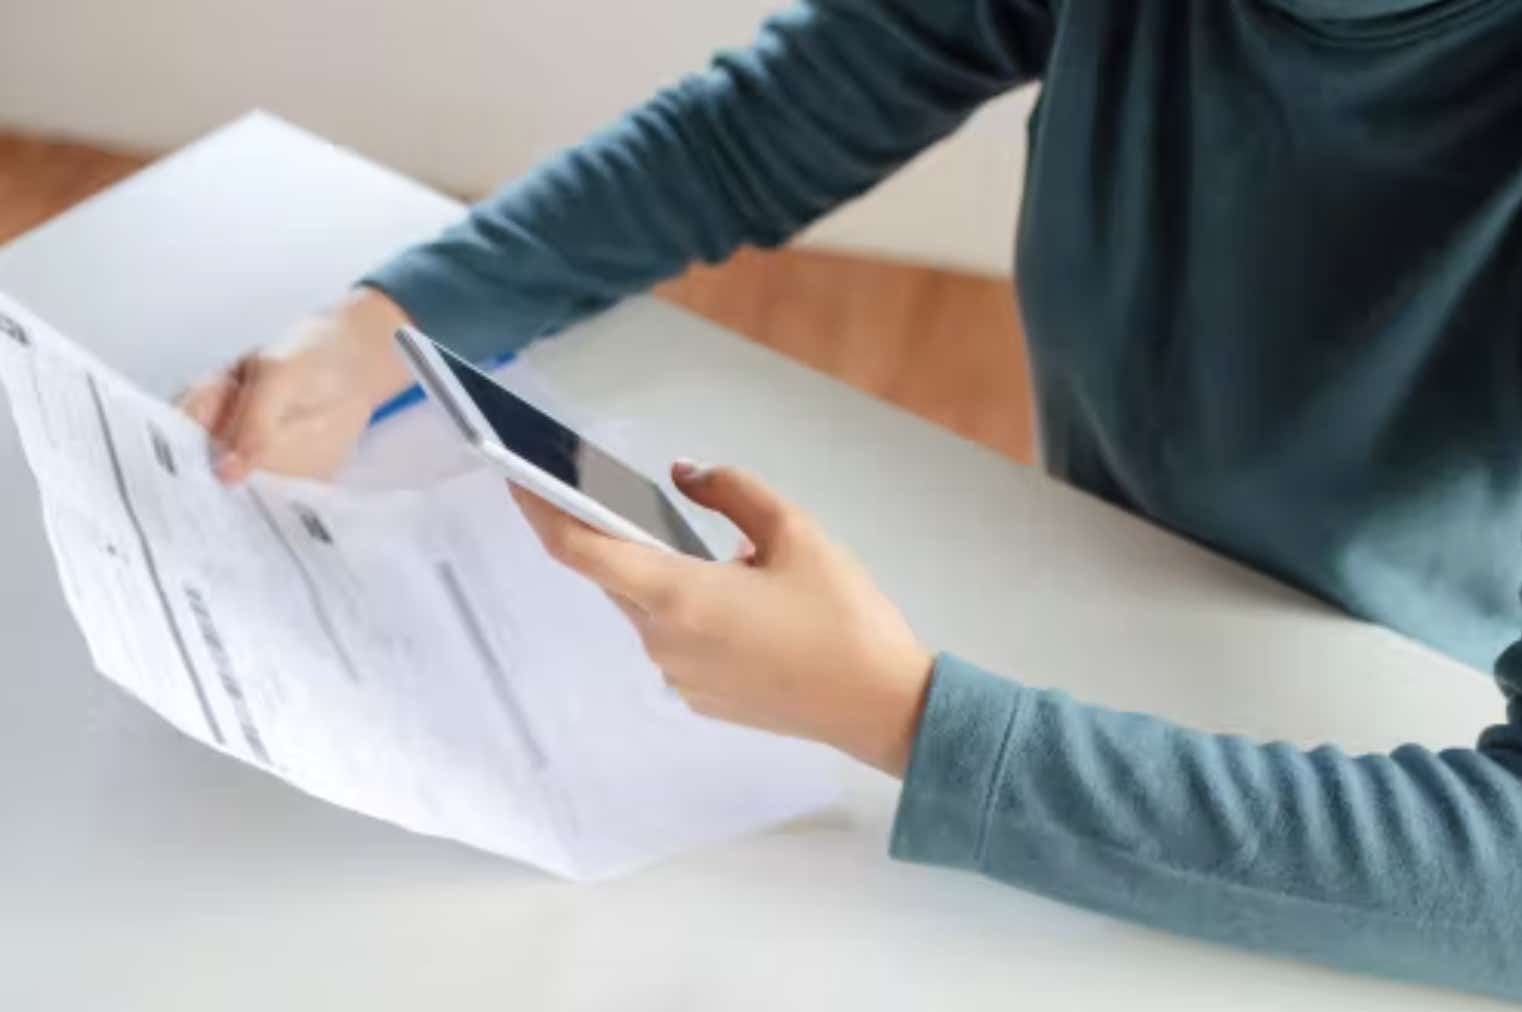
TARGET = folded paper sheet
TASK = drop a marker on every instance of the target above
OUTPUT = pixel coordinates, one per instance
(412, 655)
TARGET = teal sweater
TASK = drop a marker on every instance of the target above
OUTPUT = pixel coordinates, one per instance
(1271, 269)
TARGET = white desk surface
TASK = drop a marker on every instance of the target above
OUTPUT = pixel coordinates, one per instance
(141, 871)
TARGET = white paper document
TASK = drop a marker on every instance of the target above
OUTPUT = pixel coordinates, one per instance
(412, 655)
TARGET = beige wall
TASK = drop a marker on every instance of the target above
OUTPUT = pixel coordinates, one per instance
(462, 93)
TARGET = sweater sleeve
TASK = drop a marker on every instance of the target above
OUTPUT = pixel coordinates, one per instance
(832, 96)
(1406, 864)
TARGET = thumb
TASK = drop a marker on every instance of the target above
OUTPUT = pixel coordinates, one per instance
(761, 514)
(252, 419)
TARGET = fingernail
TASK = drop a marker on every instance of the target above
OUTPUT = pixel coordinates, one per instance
(685, 469)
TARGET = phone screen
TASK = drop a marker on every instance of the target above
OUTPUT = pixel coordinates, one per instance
(536, 437)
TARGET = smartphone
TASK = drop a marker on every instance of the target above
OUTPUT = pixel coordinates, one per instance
(544, 456)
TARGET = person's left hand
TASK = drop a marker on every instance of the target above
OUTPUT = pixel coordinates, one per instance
(791, 637)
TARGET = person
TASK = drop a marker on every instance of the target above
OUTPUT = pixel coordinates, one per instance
(1270, 264)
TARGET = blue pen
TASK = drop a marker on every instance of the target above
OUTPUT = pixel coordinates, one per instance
(413, 394)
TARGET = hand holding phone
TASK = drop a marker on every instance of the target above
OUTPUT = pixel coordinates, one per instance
(546, 457)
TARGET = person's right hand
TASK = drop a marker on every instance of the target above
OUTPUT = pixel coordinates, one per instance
(298, 406)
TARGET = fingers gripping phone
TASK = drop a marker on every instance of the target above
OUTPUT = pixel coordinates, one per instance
(545, 457)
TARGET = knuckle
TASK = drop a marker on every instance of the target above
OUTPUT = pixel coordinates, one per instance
(784, 524)
(658, 644)
(575, 554)
(667, 600)
(685, 610)
(699, 704)
(648, 639)
(255, 439)
(247, 370)
(782, 519)
(259, 373)
(559, 543)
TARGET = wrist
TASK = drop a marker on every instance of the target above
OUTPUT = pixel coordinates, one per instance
(367, 319)
(883, 731)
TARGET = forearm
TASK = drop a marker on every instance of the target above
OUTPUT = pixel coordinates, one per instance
(832, 97)
(1401, 864)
